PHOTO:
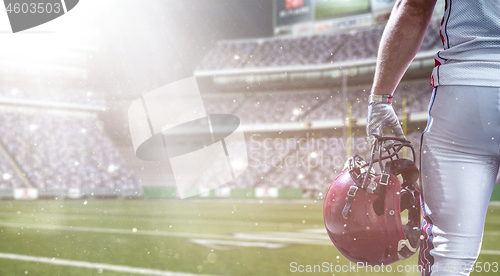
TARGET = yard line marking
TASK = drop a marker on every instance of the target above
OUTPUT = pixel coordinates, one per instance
(260, 237)
(112, 230)
(492, 222)
(314, 231)
(490, 252)
(266, 236)
(142, 218)
(283, 238)
(296, 235)
(227, 245)
(492, 233)
(118, 268)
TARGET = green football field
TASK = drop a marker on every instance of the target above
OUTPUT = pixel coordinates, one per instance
(204, 237)
(332, 8)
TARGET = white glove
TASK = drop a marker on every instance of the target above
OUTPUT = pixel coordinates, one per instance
(381, 115)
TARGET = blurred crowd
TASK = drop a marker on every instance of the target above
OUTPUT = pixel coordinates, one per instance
(60, 152)
(306, 50)
(304, 106)
(310, 163)
(53, 94)
(306, 160)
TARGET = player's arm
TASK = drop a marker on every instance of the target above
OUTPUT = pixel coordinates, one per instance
(400, 42)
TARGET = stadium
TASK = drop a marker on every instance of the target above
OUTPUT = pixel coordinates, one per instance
(75, 199)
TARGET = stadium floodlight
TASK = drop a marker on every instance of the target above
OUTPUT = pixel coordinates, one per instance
(204, 151)
(112, 168)
(34, 127)
(6, 176)
(46, 43)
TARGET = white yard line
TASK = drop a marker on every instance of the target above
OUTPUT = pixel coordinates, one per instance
(275, 237)
(492, 233)
(225, 244)
(118, 268)
(280, 237)
(111, 230)
(294, 235)
(314, 231)
(490, 252)
(47, 216)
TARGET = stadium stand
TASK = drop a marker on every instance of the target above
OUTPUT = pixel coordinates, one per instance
(61, 150)
(8, 177)
(303, 106)
(51, 137)
(308, 162)
(45, 94)
(307, 50)
(312, 165)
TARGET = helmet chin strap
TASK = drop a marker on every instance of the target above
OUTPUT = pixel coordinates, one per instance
(365, 176)
(380, 187)
(405, 249)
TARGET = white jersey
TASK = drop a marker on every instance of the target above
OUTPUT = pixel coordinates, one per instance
(470, 31)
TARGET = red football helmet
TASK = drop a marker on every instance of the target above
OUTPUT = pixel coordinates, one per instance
(362, 208)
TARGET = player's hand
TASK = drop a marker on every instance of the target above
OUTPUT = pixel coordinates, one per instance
(381, 115)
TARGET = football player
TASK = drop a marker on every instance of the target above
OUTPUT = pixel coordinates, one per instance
(460, 146)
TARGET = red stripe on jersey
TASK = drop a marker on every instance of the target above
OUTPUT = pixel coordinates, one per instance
(423, 259)
(441, 32)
